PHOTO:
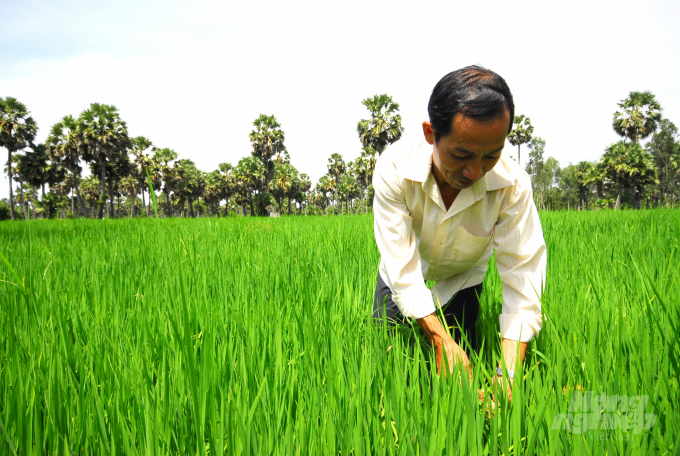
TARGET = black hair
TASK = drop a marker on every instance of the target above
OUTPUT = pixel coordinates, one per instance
(472, 91)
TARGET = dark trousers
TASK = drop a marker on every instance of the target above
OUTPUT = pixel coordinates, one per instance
(462, 310)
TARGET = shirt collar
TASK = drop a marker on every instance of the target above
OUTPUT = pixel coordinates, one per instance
(418, 165)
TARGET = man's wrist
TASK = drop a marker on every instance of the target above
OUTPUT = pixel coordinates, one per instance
(511, 373)
(513, 352)
(433, 329)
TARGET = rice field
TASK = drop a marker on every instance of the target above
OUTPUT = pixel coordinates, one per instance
(253, 336)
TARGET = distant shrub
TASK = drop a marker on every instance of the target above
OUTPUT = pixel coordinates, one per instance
(4, 211)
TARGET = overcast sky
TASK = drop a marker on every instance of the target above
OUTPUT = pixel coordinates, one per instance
(193, 76)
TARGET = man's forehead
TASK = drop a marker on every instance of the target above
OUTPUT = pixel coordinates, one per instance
(463, 150)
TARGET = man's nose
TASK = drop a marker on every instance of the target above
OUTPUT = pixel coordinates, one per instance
(473, 171)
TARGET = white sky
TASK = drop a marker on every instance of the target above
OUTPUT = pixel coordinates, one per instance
(193, 76)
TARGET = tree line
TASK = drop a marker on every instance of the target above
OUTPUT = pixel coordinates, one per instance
(263, 183)
(628, 175)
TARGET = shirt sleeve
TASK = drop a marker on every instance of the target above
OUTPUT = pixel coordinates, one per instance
(400, 263)
(521, 261)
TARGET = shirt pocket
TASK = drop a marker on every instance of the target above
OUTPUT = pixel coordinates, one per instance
(465, 251)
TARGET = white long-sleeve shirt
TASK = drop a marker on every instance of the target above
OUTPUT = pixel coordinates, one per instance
(419, 239)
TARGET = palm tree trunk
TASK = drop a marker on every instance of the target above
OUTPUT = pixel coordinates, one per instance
(11, 193)
(35, 203)
(22, 199)
(72, 203)
(618, 197)
(102, 198)
(191, 208)
(518, 158)
(134, 193)
(289, 213)
(112, 213)
(167, 199)
(226, 207)
(81, 202)
(633, 196)
(144, 202)
(252, 208)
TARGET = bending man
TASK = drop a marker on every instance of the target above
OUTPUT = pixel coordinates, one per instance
(442, 207)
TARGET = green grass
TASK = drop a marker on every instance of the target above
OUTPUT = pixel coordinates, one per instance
(239, 336)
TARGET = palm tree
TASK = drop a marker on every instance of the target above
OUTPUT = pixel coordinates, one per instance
(129, 186)
(61, 191)
(521, 134)
(615, 162)
(384, 127)
(362, 169)
(17, 130)
(347, 189)
(597, 176)
(583, 172)
(27, 168)
(35, 167)
(227, 186)
(142, 162)
(161, 164)
(188, 183)
(641, 171)
(336, 167)
(249, 175)
(285, 183)
(305, 183)
(665, 150)
(64, 145)
(105, 136)
(118, 167)
(323, 187)
(212, 195)
(91, 188)
(19, 180)
(267, 141)
(640, 113)
(277, 187)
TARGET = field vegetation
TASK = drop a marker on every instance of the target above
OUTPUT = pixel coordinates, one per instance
(253, 336)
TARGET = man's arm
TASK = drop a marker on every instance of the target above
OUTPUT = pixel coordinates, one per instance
(521, 262)
(444, 343)
(510, 353)
(402, 267)
(512, 362)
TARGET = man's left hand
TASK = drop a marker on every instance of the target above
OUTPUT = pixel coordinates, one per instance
(497, 384)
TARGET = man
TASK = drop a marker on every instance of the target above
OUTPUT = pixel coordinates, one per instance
(440, 210)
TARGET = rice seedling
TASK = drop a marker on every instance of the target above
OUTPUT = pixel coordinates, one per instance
(238, 336)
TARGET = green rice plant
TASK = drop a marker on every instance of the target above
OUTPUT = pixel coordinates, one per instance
(254, 336)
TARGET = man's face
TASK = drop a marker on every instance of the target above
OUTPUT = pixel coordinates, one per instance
(469, 151)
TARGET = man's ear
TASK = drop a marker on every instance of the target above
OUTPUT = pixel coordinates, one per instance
(428, 131)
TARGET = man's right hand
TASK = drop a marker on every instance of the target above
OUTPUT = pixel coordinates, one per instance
(444, 343)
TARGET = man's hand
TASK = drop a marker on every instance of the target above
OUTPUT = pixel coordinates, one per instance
(443, 343)
(497, 384)
(510, 356)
